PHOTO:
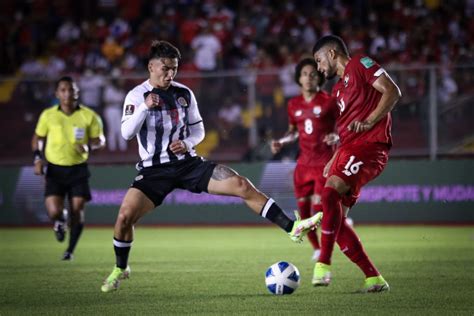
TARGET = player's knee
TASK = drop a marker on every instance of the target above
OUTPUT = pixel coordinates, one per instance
(243, 186)
(54, 212)
(125, 217)
(337, 184)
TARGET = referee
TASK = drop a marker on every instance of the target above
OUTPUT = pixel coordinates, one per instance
(67, 132)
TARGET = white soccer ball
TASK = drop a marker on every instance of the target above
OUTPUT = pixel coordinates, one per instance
(282, 278)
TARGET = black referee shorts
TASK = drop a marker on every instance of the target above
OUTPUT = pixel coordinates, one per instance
(70, 180)
(192, 174)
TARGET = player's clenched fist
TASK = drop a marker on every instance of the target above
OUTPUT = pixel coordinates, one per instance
(178, 147)
(152, 100)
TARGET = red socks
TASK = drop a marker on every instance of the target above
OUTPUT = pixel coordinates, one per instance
(305, 212)
(332, 219)
(351, 246)
(334, 228)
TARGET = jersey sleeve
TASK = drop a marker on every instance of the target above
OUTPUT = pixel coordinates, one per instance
(334, 108)
(130, 104)
(291, 116)
(96, 127)
(194, 115)
(368, 69)
(42, 126)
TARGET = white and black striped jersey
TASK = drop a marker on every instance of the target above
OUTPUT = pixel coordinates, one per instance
(156, 128)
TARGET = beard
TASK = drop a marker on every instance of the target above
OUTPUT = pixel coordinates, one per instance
(331, 73)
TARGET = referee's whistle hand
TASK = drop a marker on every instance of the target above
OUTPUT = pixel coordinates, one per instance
(80, 148)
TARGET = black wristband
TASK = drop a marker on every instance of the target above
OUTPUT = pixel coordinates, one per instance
(37, 155)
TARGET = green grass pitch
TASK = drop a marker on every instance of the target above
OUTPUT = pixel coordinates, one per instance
(220, 271)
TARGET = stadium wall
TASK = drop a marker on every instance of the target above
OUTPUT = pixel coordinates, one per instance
(435, 192)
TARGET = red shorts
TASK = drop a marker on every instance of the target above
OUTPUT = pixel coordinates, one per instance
(308, 180)
(357, 164)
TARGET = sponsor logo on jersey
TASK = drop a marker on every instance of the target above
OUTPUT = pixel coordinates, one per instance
(346, 81)
(139, 177)
(129, 109)
(298, 113)
(317, 110)
(367, 62)
(182, 101)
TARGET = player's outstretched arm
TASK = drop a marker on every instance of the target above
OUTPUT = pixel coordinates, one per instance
(390, 96)
(290, 136)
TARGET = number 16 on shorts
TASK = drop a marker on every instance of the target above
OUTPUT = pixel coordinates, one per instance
(352, 167)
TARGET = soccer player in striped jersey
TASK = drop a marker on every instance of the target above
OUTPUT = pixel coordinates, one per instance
(164, 117)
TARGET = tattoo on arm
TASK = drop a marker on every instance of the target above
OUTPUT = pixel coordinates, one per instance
(223, 172)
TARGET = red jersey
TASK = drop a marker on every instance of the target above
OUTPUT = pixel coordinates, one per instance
(314, 120)
(357, 98)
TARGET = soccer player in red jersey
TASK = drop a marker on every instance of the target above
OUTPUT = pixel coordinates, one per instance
(312, 118)
(365, 95)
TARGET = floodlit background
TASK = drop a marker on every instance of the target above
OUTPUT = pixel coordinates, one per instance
(239, 58)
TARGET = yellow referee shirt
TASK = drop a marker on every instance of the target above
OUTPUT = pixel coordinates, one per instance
(63, 132)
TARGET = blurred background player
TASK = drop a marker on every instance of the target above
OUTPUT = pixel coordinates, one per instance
(164, 116)
(312, 118)
(70, 130)
(365, 95)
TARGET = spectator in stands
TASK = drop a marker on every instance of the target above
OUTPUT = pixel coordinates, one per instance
(114, 96)
(92, 86)
(68, 32)
(230, 119)
(207, 50)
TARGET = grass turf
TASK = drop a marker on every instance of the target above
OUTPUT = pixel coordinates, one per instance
(220, 271)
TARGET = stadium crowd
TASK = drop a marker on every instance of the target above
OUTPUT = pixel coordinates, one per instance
(41, 37)
(101, 42)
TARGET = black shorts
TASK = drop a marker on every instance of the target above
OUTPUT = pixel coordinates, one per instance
(157, 182)
(70, 180)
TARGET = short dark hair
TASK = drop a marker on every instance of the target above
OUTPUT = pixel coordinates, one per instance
(63, 78)
(163, 49)
(72, 82)
(333, 40)
(302, 64)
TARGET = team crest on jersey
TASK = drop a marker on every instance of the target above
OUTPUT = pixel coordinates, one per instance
(367, 62)
(129, 109)
(346, 80)
(182, 101)
(317, 110)
(298, 113)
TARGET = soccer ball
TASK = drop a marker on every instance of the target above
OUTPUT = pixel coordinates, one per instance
(282, 278)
